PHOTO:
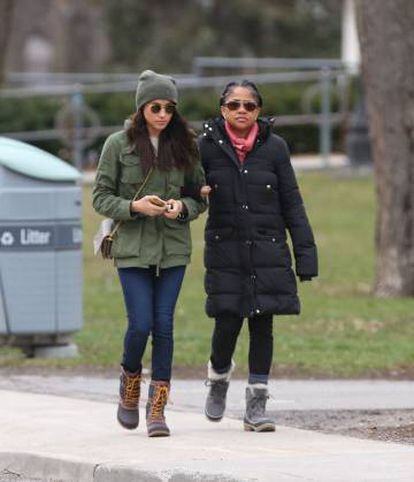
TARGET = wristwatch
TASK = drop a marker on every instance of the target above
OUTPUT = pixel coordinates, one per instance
(183, 215)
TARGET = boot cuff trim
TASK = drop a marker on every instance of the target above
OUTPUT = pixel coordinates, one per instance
(213, 375)
(259, 386)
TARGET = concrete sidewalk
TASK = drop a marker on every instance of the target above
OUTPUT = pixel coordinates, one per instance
(60, 438)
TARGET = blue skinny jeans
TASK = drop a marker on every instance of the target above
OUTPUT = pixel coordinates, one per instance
(150, 302)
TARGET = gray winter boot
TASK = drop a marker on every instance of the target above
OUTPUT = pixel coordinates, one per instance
(255, 419)
(129, 392)
(216, 397)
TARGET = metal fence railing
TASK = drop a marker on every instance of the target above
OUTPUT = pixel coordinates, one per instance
(325, 74)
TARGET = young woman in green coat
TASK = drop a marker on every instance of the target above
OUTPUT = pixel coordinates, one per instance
(153, 244)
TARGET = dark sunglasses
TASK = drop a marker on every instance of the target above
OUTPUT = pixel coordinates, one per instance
(157, 108)
(249, 105)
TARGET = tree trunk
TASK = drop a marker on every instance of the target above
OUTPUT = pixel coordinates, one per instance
(6, 12)
(387, 45)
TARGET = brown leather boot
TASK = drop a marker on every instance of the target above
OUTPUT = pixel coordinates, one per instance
(157, 399)
(129, 392)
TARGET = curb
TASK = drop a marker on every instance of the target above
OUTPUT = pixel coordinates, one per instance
(52, 469)
(46, 468)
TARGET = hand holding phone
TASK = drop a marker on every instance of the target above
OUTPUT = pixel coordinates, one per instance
(174, 208)
(150, 205)
(156, 201)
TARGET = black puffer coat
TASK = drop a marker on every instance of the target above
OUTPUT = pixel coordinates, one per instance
(252, 204)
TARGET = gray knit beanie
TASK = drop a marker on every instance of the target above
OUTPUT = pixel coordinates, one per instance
(155, 86)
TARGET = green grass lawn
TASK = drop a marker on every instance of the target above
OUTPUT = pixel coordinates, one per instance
(342, 331)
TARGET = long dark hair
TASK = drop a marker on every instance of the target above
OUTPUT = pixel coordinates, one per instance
(176, 146)
(247, 84)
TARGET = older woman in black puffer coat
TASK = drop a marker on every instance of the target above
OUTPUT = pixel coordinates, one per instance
(254, 200)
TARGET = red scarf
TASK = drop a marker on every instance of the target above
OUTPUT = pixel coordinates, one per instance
(242, 145)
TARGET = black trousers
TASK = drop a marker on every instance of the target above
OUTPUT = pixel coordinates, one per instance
(225, 334)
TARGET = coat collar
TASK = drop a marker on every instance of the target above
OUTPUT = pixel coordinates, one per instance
(215, 130)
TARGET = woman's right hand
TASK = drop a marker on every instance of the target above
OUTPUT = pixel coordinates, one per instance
(205, 191)
(145, 206)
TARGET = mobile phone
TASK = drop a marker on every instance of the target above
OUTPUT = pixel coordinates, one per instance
(157, 202)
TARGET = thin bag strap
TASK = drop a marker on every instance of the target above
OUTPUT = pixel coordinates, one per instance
(116, 227)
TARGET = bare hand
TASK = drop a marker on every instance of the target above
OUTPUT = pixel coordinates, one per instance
(205, 191)
(174, 209)
(145, 206)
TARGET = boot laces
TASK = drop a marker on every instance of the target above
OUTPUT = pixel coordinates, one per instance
(218, 389)
(132, 389)
(258, 403)
(159, 401)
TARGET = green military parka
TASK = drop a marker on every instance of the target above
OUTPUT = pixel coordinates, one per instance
(142, 241)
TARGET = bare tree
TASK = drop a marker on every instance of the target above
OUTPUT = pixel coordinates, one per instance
(79, 37)
(387, 46)
(6, 12)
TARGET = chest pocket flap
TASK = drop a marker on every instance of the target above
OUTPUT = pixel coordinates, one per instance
(131, 171)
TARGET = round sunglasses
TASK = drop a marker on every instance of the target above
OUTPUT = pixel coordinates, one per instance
(157, 108)
(248, 105)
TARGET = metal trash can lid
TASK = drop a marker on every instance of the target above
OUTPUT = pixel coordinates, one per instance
(33, 162)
